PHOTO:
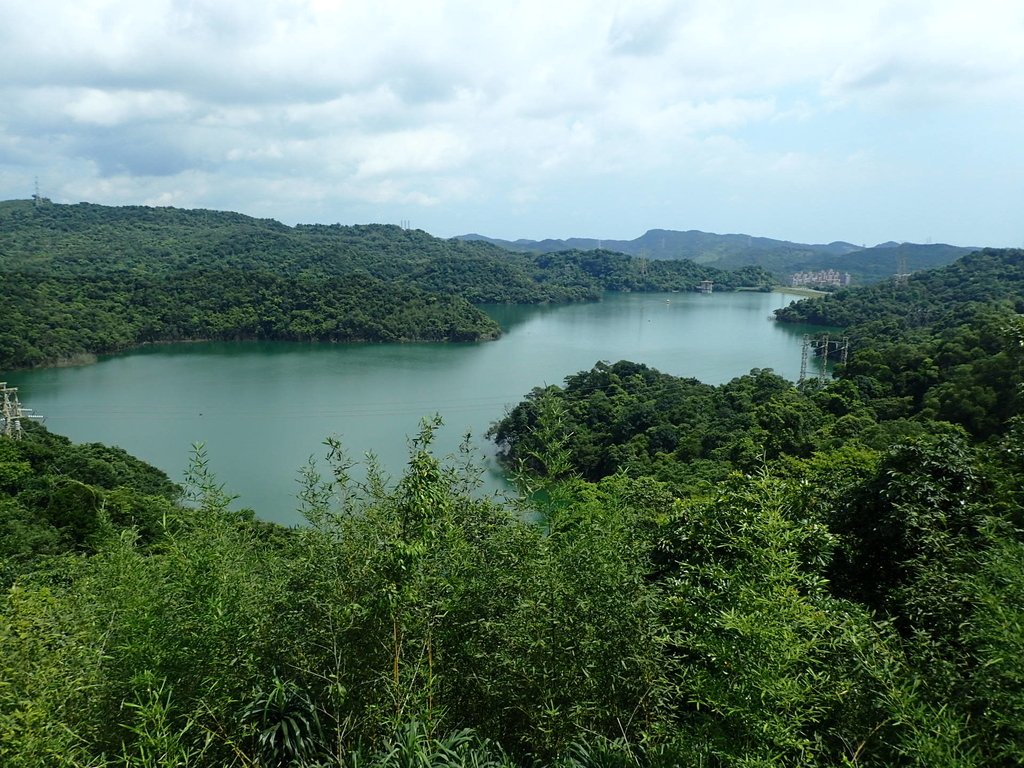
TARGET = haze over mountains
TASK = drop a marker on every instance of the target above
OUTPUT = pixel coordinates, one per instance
(865, 264)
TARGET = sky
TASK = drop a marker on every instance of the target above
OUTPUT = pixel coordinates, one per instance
(806, 120)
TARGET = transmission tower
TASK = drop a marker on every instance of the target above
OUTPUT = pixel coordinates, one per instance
(642, 263)
(11, 412)
(823, 347)
(901, 270)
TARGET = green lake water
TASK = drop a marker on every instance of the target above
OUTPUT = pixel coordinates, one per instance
(263, 408)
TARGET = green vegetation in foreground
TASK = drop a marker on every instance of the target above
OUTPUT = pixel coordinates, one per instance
(86, 279)
(854, 607)
(747, 575)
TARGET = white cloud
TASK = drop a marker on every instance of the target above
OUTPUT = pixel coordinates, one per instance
(407, 152)
(110, 107)
(325, 104)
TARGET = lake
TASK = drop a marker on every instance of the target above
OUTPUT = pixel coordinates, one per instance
(263, 408)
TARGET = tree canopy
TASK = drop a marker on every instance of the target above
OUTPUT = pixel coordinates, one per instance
(760, 573)
(86, 279)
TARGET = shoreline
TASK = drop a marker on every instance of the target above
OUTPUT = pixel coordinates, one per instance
(82, 359)
(792, 290)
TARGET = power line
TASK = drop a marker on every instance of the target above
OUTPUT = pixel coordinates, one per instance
(11, 412)
(823, 347)
(902, 275)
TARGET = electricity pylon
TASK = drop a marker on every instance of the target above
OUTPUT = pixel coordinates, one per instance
(11, 412)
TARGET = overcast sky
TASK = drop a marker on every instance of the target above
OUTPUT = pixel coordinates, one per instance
(808, 120)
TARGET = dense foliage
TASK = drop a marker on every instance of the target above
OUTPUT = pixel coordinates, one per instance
(54, 495)
(755, 574)
(856, 607)
(944, 346)
(902, 484)
(629, 417)
(927, 298)
(906, 375)
(85, 279)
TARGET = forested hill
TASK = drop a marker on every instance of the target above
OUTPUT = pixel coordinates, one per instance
(946, 345)
(84, 279)
(895, 490)
(982, 277)
(780, 257)
(754, 574)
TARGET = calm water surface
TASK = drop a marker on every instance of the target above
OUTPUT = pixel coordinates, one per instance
(263, 408)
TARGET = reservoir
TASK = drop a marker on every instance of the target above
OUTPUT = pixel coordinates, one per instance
(262, 409)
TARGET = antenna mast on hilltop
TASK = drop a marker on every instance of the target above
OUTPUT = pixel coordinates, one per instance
(37, 197)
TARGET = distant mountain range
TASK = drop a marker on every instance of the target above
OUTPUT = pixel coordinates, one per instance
(780, 257)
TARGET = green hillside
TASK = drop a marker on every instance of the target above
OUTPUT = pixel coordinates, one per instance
(86, 279)
(827, 574)
(980, 278)
(943, 346)
(780, 257)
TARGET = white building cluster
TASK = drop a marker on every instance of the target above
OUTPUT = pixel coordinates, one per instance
(822, 278)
